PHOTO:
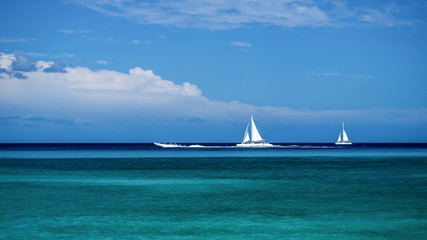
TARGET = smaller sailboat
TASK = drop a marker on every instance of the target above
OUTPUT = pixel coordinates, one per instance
(255, 140)
(344, 140)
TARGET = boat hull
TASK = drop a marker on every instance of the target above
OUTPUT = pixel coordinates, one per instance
(343, 143)
(255, 145)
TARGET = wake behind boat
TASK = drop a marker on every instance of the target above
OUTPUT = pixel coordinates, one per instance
(196, 146)
(255, 140)
(168, 145)
(344, 140)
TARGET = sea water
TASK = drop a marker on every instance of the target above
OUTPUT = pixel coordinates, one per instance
(139, 191)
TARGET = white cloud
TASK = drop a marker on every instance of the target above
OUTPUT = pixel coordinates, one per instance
(74, 31)
(41, 65)
(76, 84)
(384, 17)
(138, 81)
(35, 54)
(70, 55)
(14, 40)
(336, 74)
(219, 14)
(81, 93)
(103, 62)
(328, 74)
(241, 44)
(6, 61)
(224, 14)
(137, 42)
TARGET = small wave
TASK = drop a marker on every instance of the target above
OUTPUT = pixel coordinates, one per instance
(274, 146)
(302, 146)
(292, 146)
(196, 146)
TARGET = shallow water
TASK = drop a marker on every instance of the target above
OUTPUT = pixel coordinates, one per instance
(358, 193)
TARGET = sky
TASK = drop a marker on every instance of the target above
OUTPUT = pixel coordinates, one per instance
(195, 71)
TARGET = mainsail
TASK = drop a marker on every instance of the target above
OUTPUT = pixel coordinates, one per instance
(256, 137)
(344, 136)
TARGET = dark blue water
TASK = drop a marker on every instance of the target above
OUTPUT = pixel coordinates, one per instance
(143, 150)
(139, 191)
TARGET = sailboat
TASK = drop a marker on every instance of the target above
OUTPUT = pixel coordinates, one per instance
(255, 139)
(344, 140)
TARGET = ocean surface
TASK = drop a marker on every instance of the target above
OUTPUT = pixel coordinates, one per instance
(139, 191)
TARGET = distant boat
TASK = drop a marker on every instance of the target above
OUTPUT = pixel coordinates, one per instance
(255, 140)
(344, 140)
(168, 145)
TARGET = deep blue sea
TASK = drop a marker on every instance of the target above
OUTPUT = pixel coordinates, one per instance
(139, 191)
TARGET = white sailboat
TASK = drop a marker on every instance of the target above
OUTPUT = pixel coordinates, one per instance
(255, 139)
(344, 140)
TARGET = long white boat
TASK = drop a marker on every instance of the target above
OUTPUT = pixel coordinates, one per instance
(254, 140)
(169, 145)
(344, 140)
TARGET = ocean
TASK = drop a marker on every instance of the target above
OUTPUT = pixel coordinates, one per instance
(139, 191)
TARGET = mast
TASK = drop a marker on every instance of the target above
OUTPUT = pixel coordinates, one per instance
(343, 132)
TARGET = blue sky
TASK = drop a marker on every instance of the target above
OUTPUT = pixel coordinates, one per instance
(194, 71)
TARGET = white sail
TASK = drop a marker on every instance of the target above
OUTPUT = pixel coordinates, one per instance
(345, 140)
(256, 137)
(257, 141)
(344, 136)
(246, 137)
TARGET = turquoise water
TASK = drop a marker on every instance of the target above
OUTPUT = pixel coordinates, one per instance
(142, 192)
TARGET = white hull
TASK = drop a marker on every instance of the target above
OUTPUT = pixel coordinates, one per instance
(343, 143)
(168, 145)
(255, 145)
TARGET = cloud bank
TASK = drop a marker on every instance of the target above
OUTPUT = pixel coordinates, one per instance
(39, 93)
(223, 14)
(80, 78)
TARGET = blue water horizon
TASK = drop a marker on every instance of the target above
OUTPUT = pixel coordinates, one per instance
(139, 191)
